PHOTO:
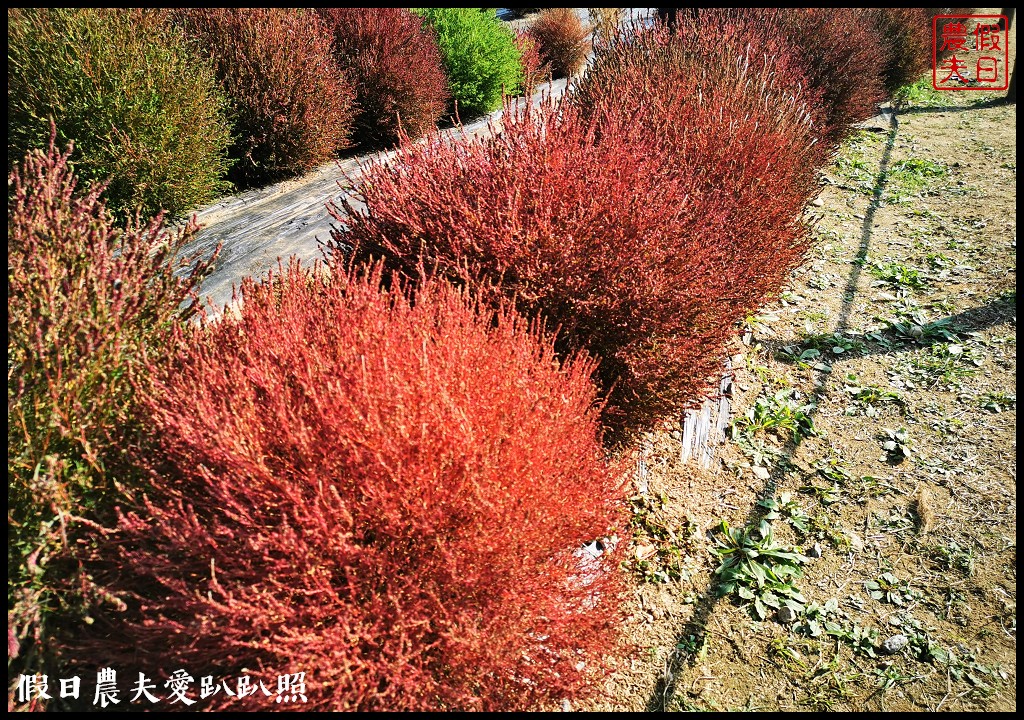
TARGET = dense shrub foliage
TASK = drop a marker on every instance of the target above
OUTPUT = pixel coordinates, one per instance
(480, 55)
(88, 304)
(842, 58)
(141, 111)
(643, 233)
(563, 39)
(761, 36)
(905, 35)
(395, 63)
(606, 21)
(389, 496)
(535, 70)
(291, 106)
(833, 58)
(380, 475)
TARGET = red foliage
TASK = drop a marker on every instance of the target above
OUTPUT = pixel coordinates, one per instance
(563, 39)
(396, 65)
(642, 234)
(292, 107)
(905, 35)
(830, 58)
(389, 496)
(842, 58)
(535, 70)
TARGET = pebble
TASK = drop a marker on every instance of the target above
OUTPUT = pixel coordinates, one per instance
(817, 202)
(894, 644)
(760, 472)
(786, 614)
(855, 540)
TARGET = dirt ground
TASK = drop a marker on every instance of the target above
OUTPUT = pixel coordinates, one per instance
(871, 470)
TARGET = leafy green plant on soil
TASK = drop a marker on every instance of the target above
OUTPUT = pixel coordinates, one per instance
(759, 569)
(912, 177)
(921, 94)
(865, 399)
(896, 444)
(889, 588)
(852, 164)
(788, 656)
(915, 328)
(816, 619)
(952, 556)
(825, 494)
(778, 413)
(760, 453)
(996, 401)
(898, 276)
(829, 619)
(944, 365)
(787, 508)
(803, 357)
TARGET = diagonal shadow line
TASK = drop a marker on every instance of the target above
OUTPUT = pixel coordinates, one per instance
(998, 310)
(990, 102)
(667, 684)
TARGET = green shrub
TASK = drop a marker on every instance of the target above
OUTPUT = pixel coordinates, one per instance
(88, 302)
(480, 57)
(142, 112)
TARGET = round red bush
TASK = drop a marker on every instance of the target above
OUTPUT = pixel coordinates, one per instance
(843, 59)
(395, 62)
(291, 105)
(563, 39)
(905, 36)
(642, 232)
(387, 494)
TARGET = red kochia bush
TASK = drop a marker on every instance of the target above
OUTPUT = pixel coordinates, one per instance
(535, 69)
(905, 36)
(563, 39)
(385, 494)
(831, 58)
(843, 58)
(292, 107)
(396, 65)
(643, 232)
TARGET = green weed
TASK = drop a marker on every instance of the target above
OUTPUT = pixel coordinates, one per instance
(866, 399)
(898, 277)
(660, 544)
(759, 569)
(781, 412)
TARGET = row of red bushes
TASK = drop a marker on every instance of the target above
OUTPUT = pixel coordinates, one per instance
(161, 102)
(381, 474)
(656, 206)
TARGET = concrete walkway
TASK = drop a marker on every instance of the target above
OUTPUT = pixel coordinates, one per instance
(260, 227)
